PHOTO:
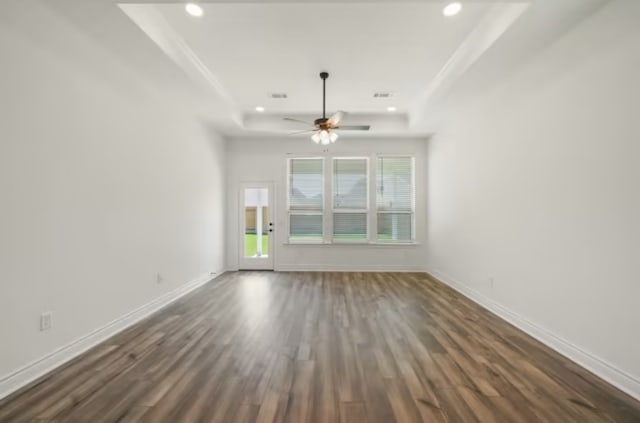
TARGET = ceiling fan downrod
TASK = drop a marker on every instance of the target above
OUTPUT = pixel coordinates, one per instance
(324, 76)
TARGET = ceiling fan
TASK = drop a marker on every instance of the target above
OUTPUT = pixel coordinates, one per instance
(324, 128)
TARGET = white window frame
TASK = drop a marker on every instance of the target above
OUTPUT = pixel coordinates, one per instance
(309, 212)
(412, 211)
(328, 207)
(366, 210)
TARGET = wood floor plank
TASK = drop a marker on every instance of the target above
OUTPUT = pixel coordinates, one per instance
(353, 412)
(321, 347)
(302, 392)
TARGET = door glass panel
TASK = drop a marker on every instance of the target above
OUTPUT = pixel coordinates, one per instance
(256, 217)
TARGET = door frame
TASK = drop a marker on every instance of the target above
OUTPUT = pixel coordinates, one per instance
(245, 263)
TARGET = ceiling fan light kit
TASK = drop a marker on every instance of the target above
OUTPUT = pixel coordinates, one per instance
(324, 129)
(324, 137)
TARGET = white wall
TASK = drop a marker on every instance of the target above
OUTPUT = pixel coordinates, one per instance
(535, 183)
(261, 160)
(103, 184)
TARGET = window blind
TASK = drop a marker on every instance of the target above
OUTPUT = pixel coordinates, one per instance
(350, 199)
(394, 198)
(306, 199)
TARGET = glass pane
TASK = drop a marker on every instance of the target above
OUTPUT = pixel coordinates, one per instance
(394, 183)
(305, 184)
(350, 183)
(350, 226)
(256, 212)
(304, 227)
(394, 227)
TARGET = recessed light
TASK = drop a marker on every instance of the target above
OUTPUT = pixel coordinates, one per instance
(259, 109)
(391, 109)
(194, 9)
(452, 9)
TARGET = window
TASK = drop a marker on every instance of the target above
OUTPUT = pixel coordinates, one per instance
(352, 211)
(306, 199)
(350, 199)
(395, 199)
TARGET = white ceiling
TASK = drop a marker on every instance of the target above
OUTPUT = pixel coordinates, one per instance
(241, 51)
(256, 49)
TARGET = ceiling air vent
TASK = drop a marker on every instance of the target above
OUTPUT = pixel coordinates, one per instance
(278, 96)
(382, 94)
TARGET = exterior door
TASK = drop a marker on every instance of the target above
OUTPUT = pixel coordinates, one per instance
(256, 226)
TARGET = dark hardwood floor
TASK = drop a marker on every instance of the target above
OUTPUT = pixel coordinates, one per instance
(321, 347)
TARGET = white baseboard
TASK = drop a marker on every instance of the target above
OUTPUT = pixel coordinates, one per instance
(347, 268)
(38, 368)
(598, 366)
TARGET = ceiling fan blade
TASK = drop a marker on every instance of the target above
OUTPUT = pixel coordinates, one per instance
(336, 118)
(297, 121)
(308, 131)
(354, 127)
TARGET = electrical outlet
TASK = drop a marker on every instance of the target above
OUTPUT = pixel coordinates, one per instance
(159, 279)
(45, 321)
(491, 282)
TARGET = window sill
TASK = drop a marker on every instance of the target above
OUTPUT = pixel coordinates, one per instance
(354, 244)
